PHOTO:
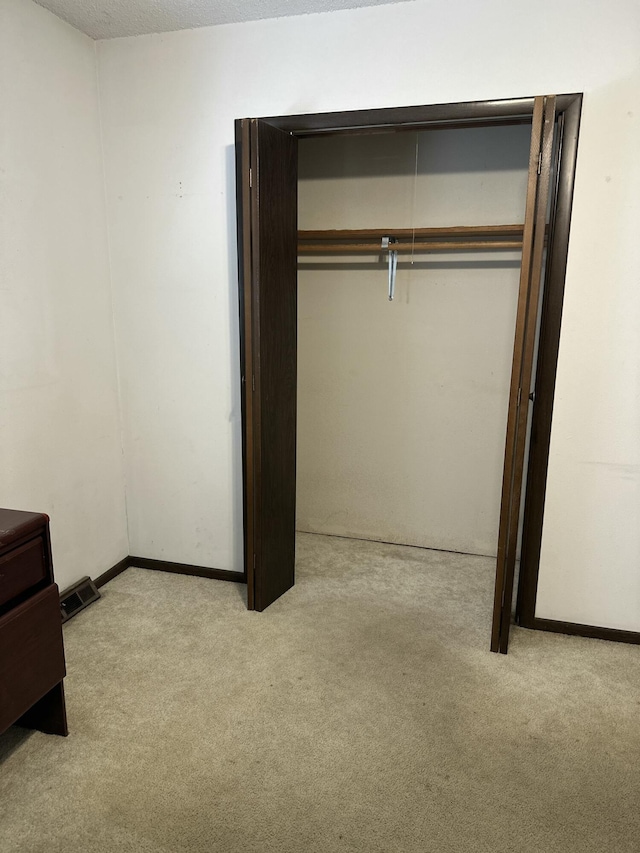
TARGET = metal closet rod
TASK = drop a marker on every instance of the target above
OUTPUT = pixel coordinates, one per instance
(456, 238)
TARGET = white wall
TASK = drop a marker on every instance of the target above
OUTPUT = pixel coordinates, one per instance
(60, 447)
(402, 407)
(169, 102)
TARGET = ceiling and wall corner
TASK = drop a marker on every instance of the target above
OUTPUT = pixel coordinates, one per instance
(105, 19)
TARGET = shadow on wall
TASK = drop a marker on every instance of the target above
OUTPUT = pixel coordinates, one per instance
(482, 149)
(235, 414)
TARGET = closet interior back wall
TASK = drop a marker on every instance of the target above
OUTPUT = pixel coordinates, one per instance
(402, 405)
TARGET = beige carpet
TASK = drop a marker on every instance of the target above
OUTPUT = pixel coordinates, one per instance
(362, 712)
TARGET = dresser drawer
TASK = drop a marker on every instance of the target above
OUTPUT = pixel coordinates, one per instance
(22, 568)
(31, 654)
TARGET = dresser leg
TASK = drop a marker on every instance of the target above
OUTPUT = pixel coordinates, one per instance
(49, 714)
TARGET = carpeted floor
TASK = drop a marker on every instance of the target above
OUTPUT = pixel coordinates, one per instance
(361, 712)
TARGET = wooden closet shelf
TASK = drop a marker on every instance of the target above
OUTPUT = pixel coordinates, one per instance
(378, 233)
(452, 238)
(407, 246)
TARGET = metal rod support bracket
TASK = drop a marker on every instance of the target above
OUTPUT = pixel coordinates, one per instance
(387, 246)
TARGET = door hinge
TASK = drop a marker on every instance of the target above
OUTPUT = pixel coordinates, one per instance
(251, 177)
(253, 383)
(539, 162)
(519, 397)
(254, 562)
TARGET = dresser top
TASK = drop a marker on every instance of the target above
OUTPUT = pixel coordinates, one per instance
(15, 524)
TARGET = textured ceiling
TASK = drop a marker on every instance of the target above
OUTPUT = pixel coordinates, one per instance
(103, 19)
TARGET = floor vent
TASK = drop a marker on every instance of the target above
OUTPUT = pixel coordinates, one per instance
(77, 597)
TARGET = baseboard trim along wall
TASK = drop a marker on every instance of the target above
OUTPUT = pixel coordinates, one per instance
(165, 566)
(186, 569)
(594, 632)
(113, 572)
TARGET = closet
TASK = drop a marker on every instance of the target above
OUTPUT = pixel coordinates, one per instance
(413, 271)
(402, 404)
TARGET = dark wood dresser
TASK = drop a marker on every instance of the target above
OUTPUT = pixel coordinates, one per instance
(31, 652)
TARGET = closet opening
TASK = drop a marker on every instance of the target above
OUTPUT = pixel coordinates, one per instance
(424, 268)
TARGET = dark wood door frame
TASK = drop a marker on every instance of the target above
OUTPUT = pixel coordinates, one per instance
(447, 116)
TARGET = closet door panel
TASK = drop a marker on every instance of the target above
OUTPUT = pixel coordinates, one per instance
(243, 221)
(269, 353)
(533, 247)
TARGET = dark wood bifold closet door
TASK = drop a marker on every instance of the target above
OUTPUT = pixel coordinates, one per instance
(267, 200)
(266, 163)
(533, 246)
